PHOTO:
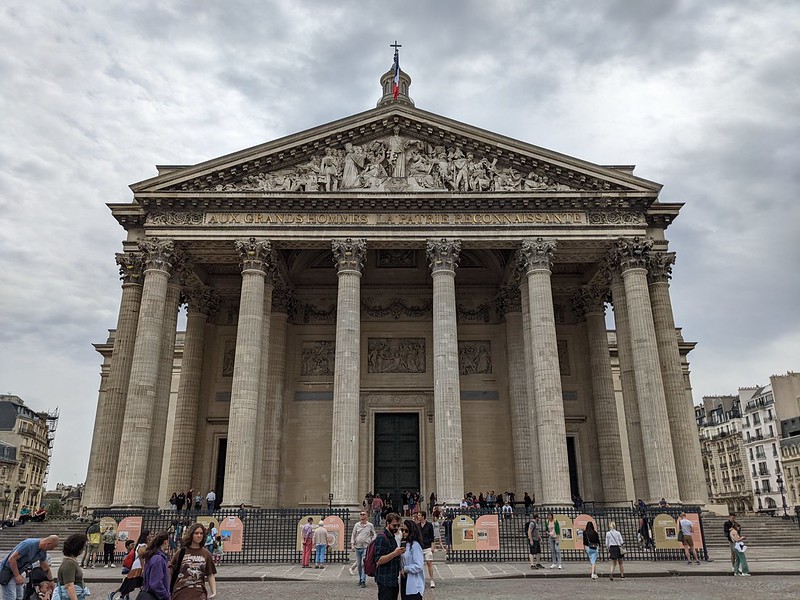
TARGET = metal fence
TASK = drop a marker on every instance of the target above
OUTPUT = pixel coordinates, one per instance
(269, 536)
(514, 546)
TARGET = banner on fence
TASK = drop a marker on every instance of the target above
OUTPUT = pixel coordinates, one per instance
(666, 528)
(105, 523)
(130, 528)
(333, 525)
(231, 530)
(580, 524)
(483, 534)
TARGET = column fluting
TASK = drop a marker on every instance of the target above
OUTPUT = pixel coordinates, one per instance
(538, 256)
(530, 386)
(242, 422)
(631, 255)
(443, 256)
(104, 455)
(258, 481)
(348, 256)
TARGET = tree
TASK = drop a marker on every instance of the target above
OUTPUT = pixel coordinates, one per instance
(54, 509)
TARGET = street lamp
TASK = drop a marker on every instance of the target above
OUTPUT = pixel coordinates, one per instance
(782, 490)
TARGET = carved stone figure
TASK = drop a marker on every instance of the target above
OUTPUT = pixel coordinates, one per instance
(474, 358)
(396, 355)
(228, 359)
(318, 358)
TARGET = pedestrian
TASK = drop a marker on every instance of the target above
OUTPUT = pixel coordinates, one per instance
(387, 559)
(211, 500)
(591, 541)
(686, 531)
(363, 534)
(377, 507)
(507, 510)
(426, 532)
(135, 576)
(109, 540)
(307, 533)
(219, 550)
(198, 502)
(616, 549)
(740, 567)
(189, 500)
(93, 547)
(412, 573)
(726, 528)
(534, 541)
(431, 502)
(321, 544)
(156, 583)
(19, 560)
(173, 501)
(554, 539)
(130, 555)
(528, 501)
(70, 575)
(211, 533)
(180, 500)
(193, 567)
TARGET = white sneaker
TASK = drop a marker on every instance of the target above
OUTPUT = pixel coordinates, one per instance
(594, 575)
(745, 574)
(553, 566)
(105, 566)
(352, 572)
(559, 566)
(433, 585)
(113, 566)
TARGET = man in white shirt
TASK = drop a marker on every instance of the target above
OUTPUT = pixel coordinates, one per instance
(363, 534)
(688, 542)
(211, 500)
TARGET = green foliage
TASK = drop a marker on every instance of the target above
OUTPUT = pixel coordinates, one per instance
(54, 509)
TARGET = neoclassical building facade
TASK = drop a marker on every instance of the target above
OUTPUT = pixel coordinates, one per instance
(393, 301)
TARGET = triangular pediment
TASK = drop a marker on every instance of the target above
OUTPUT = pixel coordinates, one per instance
(396, 149)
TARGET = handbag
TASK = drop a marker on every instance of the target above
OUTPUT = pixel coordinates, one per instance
(622, 550)
(740, 547)
(60, 593)
(680, 535)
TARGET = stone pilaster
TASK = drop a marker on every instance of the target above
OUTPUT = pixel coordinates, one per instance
(242, 422)
(276, 376)
(631, 256)
(101, 476)
(590, 302)
(682, 424)
(538, 256)
(527, 374)
(158, 436)
(348, 255)
(510, 305)
(443, 256)
(142, 388)
(202, 302)
(630, 402)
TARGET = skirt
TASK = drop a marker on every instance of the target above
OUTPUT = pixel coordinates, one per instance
(614, 553)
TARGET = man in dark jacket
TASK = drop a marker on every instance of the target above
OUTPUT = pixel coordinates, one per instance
(387, 559)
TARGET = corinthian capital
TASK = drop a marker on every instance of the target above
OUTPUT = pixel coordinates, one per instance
(158, 254)
(659, 267)
(591, 299)
(253, 254)
(537, 254)
(349, 254)
(631, 253)
(131, 265)
(443, 255)
(202, 299)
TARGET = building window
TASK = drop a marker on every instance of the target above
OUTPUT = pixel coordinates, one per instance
(774, 450)
(751, 454)
(756, 419)
(771, 432)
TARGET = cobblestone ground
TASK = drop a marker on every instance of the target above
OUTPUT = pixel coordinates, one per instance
(671, 588)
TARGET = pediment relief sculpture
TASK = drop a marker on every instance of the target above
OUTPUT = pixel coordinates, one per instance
(402, 163)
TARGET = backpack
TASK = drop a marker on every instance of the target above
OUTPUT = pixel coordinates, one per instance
(127, 562)
(370, 562)
(525, 528)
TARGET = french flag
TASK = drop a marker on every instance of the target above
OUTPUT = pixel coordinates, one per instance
(396, 86)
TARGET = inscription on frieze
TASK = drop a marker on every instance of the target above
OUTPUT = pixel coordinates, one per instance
(474, 358)
(396, 355)
(466, 219)
(317, 358)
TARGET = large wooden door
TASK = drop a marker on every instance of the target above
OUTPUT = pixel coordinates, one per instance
(396, 454)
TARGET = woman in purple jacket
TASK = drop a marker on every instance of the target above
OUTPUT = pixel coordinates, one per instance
(156, 571)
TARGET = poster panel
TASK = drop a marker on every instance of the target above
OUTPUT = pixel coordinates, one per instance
(487, 533)
(665, 532)
(463, 533)
(129, 528)
(697, 536)
(209, 522)
(315, 519)
(336, 532)
(231, 530)
(567, 537)
(580, 524)
(105, 523)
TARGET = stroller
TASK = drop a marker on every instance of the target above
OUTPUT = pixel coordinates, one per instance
(38, 586)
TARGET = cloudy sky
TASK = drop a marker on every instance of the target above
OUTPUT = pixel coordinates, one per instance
(704, 96)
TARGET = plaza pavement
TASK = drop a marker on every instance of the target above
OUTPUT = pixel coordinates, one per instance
(762, 561)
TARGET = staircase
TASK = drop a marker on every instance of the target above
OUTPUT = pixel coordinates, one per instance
(761, 531)
(11, 536)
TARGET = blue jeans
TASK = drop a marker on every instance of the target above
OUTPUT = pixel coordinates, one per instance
(376, 518)
(555, 551)
(360, 554)
(320, 559)
(12, 591)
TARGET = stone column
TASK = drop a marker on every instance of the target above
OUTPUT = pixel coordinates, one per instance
(533, 423)
(511, 305)
(630, 402)
(631, 255)
(155, 460)
(101, 476)
(590, 302)
(202, 302)
(538, 257)
(258, 481)
(276, 377)
(682, 424)
(240, 460)
(348, 255)
(443, 258)
(135, 441)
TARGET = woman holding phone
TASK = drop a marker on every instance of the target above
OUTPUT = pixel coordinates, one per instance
(412, 576)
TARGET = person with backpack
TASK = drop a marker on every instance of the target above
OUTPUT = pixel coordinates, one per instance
(127, 562)
(193, 567)
(134, 575)
(156, 571)
(534, 541)
(384, 561)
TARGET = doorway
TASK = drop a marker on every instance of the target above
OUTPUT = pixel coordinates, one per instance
(396, 455)
(219, 480)
(572, 459)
